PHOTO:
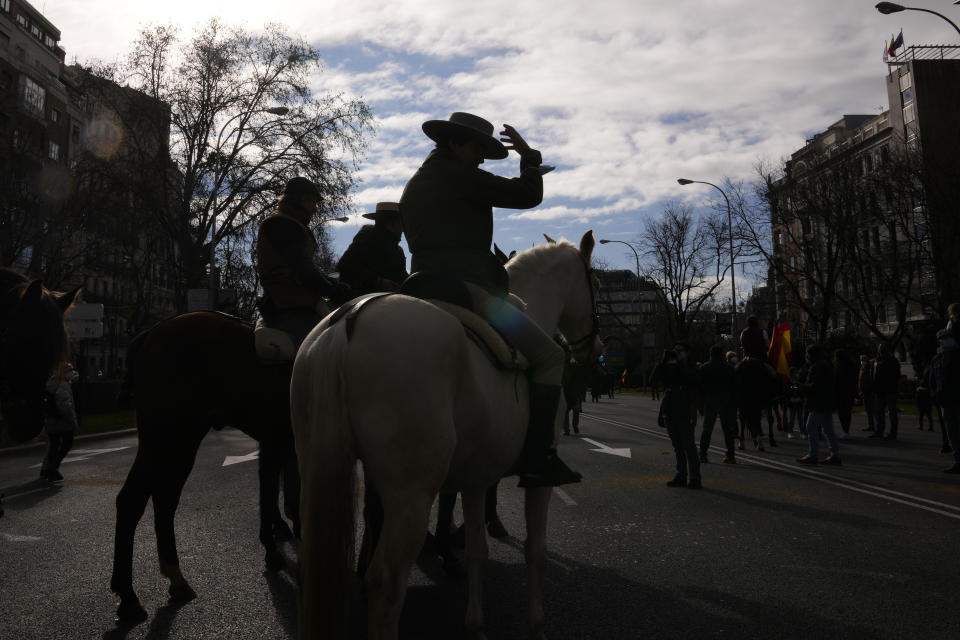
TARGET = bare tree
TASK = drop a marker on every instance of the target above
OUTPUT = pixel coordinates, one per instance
(684, 257)
(242, 121)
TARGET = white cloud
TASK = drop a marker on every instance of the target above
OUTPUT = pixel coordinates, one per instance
(623, 95)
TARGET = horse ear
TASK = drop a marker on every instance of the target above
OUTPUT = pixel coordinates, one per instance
(587, 244)
(64, 300)
(549, 239)
(33, 293)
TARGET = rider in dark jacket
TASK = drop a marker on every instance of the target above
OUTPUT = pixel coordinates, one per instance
(447, 209)
(374, 260)
(294, 289)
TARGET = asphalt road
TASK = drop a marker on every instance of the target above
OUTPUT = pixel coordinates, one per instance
(769, 549)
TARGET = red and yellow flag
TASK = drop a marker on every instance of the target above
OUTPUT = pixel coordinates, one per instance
(779, 352)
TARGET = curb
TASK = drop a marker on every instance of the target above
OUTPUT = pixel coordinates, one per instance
(85, 438)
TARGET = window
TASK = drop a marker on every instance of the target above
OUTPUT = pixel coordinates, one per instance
(5, 5)
(53, 150)
(32, 96)
(54, 115)
(909, 113)
(75, 134)
(906, 81)
(50, 42)
(22, 20)
(35, 30)
(18, 140)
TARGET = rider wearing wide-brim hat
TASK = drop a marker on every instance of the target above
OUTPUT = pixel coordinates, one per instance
(295, 291)
(447, 210)
(374, 261)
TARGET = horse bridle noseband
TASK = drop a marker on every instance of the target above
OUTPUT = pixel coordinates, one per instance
(587, 340)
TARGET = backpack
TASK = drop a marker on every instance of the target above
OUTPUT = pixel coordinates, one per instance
(50, 408)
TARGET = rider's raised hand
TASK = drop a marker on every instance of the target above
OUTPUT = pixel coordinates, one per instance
(514, 140)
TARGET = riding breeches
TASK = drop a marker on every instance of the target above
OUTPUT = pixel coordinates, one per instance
(545, 355)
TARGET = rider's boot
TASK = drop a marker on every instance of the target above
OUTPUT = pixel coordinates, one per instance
(539, 464)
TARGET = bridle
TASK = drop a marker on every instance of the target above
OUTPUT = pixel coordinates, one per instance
(584, 346)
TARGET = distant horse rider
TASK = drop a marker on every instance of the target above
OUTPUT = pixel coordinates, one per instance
(447, 209)
(374, 261)
(294, 289)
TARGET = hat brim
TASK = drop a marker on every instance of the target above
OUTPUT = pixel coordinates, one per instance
(438, 130)
(382, 214)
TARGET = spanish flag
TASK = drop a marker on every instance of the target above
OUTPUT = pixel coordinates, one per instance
(779, 352)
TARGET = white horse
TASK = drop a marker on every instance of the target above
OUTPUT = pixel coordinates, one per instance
(424, 409)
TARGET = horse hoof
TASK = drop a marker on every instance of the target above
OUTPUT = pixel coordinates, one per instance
(181, 593)
(274, 560)
(130, 613)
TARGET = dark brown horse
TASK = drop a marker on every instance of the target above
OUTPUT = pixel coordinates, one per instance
(186, 375)
(32, 341)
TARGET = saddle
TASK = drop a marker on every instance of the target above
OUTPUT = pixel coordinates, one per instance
(272, 346)
(451, 295)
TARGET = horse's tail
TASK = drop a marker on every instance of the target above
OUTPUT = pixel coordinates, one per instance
(125, 398)
(327, 459)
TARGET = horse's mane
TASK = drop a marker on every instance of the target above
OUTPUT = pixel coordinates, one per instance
(540, 258)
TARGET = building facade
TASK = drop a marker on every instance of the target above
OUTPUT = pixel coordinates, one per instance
(85, 165)
(865, 213)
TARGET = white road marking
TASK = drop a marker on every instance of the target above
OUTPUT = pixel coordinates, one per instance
(77, 455)
(9, 537)
(563, 495)
(623, 453)
(933, 506)
(229, 460)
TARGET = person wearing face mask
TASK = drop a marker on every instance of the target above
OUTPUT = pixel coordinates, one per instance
(447, 216)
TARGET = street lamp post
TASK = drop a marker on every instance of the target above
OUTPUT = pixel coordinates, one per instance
(887, 8)
(733, 278)
(635, 255)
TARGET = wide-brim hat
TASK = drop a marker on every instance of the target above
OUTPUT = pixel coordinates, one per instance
(461, 123)
(384, 210)
(300, 186)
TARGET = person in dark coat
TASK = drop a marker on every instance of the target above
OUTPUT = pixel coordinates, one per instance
(753, 339)
(945, 385)
(295, 291)
(447, 209)
(756, 383)
(820, 391)
(867, 395)
(718, 388)
(675, 410)
(886, 382)
(374, 261)
(845, 381)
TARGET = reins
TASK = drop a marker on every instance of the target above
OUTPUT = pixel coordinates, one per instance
(586, 342)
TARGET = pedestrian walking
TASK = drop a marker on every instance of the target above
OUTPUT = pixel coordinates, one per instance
(945, 385)
(675, 410)
(718, 388)
(846, 379)
(819, 389)
(865, 389)
(60, 420)
(886, 382)
(924, 399)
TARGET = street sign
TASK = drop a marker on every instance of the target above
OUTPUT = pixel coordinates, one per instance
(84, 320)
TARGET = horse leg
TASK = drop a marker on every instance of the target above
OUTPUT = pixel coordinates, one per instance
(291, 488)
(445, 505)
(166, 497)
(268, 470)
(372, 527)
(537, 500)
(476, 556)
(131, 502)
(405, 519)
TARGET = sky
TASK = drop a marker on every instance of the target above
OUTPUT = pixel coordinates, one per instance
(623, 96)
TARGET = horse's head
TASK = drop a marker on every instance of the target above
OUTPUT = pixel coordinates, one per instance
(558, 280)
(579, 322)
(32, 342)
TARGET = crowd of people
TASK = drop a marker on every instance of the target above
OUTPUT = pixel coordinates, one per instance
(739, 391)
